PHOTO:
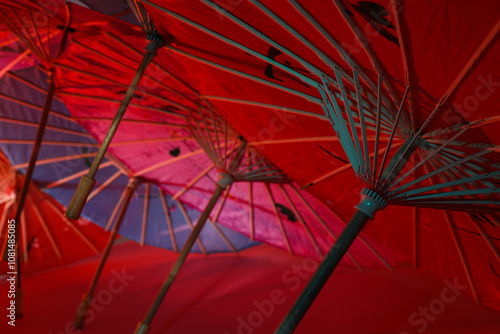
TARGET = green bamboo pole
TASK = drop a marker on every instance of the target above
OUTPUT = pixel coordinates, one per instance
(370, 203)
(87, 181)
(87, 297)
(323, 273)
(143, 326)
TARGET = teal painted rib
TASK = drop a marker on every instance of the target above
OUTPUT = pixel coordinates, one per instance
(354, 132)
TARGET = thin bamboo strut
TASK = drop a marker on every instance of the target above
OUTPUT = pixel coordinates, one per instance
(115, 210)
(74, 176)
(345, 167)
(221, 204)
(190, 224)
(245, 75)
(48, 127)
(265, 105)
(302, 221)
(34, 107)
(168, 162)
(46, 142)
(278, 217)
(168, 219)
(134, 121)
(138, 52)
(72, 226)
(460, 251)
(193, 182)
(104, 185)
(48, 233)
(58, 159)
(145, 214)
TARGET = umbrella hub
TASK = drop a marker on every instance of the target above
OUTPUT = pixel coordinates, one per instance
(225, 179)
(155, 42)
(371, 202)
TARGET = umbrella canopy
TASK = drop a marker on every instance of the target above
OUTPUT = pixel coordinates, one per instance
(365, 67)
(152, 217)
(155, 140)
(48, 239)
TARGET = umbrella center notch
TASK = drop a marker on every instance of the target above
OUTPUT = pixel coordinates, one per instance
(371, 202)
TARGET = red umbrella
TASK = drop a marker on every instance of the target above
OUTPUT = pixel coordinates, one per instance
(175, 126)
(386, 82)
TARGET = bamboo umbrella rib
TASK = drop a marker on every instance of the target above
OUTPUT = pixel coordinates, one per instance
(365, 44)
(135, 105)
(299, 216)
(240, 46)
(14, 62)
(430, 155)
(415, 239)
(471, 125)
(208, 137)
(404, 42)
(265, 105)
(389, 143)
(74, 176)
(451, 226)
(377, 254)
(31, 85)
(168, 162)
(319, 54)
(7, 42)
(363, 124)
(104, 185)
(250, 208)
(48, 233)
(169, 220)
(46, 142)
(338, 47)
(145, 214)
(471, 172)
(115, 210)
(24, 236)
(155, 140)
(278, 217)
(188, 220)
(217, 133)
(224, 237)
(345, 167)
(73, 227)
(99, 77)
(490, 37)
(118, 164)
(487, 239)
(168, 88)
(221, 204)
(58, 159)
(34, 107)
(133, 49)
(245, 75)
(193, 182)
(301, 140)
(107, 119)
(354, 133)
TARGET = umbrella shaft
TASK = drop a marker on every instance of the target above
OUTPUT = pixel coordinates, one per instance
(87, 182)
(322, 274)
(112, 236)
(182, 256)
(29, 171)
(148, 57)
